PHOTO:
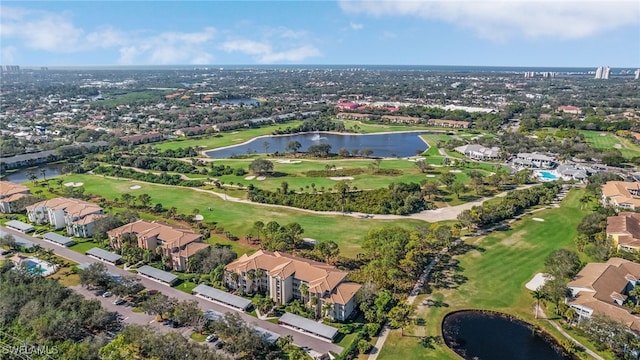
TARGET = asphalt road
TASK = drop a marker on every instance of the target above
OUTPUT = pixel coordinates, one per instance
(299, 339)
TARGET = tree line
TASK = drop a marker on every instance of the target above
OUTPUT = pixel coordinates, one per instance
(512, 204)
(163, 178)
(397, 198)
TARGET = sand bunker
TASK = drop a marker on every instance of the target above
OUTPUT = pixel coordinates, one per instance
(251, 177)
(73, 184)
(287, 161)
(603, 134)
(260, 178)
(455, 171)
(538, 281)
(617, 146)
(538, 219)
(430, 175)
(198, 217)
(135, 187)
(338, 178)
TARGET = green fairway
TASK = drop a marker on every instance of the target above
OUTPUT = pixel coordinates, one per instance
(606, 140)
(225, 138)
(496, 271)
(238, 218)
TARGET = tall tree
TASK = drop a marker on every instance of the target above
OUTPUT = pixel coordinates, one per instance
(400, 316)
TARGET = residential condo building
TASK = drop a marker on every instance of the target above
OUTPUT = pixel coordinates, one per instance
(285, 277)
(77, 216)
(177, 244)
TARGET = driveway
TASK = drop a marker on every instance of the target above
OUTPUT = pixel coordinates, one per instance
(299, 339)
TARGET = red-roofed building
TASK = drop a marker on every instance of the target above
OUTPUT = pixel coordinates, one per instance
(347, 106)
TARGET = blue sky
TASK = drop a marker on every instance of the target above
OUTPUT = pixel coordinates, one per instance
(453, 32)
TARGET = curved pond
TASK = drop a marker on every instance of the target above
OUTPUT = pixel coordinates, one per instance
(400, 144)
(493, 336)
(22, 175)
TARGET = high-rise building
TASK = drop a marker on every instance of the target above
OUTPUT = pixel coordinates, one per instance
(603, 72)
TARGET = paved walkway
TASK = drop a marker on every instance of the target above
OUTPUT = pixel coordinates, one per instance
(384, 333)
(566, 335)
(441, 214)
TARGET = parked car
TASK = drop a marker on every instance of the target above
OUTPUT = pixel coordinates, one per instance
(212, 338)
(218, 344)
(119, 301)
(107, 294)
(99, 292)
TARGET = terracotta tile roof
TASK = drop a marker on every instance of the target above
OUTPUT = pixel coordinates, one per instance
(619, 192)
(8, 188)
(320, 276)
(192, 248)
(627, 226)
(88, 219)
(171, 236)
(604, 283)
(14, 197)
(344, 293)
(73, 208)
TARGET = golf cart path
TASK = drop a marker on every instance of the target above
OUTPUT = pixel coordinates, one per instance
(441, 214)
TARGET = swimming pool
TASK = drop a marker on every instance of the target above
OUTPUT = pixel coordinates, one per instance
(548, 175)
(38, 267)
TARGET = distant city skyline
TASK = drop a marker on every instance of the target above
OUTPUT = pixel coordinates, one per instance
(521, 33)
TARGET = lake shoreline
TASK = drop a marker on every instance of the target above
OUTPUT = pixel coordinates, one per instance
(204, 152)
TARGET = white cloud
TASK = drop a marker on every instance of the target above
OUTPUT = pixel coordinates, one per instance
(40, 30)
(356, 26)
(501, 19)
(56, 32)
(264, 53)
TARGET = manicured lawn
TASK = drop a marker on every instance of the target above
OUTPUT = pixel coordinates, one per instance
(606, 140)
(238, 218)
(224, 139)
(496, 271)
(83, 245)
(186, 286)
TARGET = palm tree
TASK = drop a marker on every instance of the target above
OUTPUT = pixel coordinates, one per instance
(570, 315)
(538, 295)
(32, 176)
(235, 277)
(259, 274)
(304, 291)
(251, 276)
(327, 308)
(635, 293)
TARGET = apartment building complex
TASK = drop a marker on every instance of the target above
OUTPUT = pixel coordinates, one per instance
(77, 216)
(285, 277)
(175, 243)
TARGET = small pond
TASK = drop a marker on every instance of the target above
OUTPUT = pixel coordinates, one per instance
(22, 175)
(397, 144)
(493, 336)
